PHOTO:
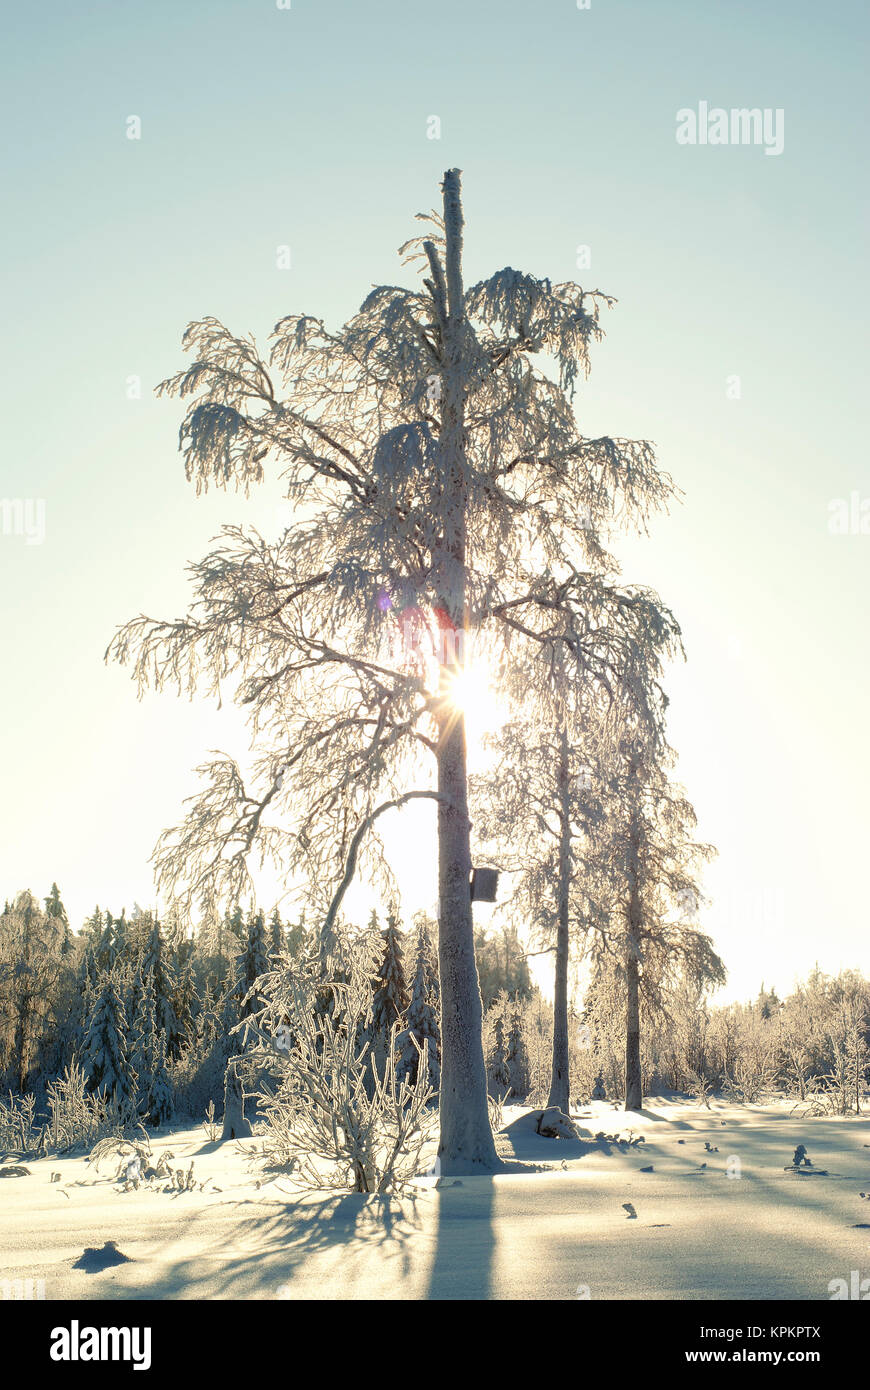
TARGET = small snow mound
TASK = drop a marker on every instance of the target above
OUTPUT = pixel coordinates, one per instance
(553, 1123)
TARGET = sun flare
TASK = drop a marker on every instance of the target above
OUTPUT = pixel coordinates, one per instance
(471, 692)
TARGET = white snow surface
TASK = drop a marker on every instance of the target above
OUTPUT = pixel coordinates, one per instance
(555, 1225)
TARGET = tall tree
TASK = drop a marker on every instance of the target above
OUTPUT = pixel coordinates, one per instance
(440, 478)
(159, 1099)
(542, 806)
(143, 1036)
(655, 861)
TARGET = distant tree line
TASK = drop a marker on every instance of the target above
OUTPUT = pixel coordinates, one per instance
(147, 1013)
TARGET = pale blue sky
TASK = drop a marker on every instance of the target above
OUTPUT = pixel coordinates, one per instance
(308, 127)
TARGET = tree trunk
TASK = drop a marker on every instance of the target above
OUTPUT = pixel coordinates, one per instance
(466, 1144)
(633, 1086)
(633, 1091)
(560, 1084)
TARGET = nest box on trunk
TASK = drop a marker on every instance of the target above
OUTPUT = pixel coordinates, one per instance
(484, 885)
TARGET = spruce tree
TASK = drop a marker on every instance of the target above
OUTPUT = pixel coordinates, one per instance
(105, 949)
(144, 1036)
(159, 1100)
(251, 964)
(185, 1004)
(156, 964)
(55, 909)
(516, 1057)
(499, 1075)
(277, 938)
(92, 929)
(422, 1014)
(120, 940)
(105, 1045)
(391, 991)
(298, 938)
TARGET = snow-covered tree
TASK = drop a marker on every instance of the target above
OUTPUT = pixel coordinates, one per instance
(104, 1052)
(421, 1015)
(541, 808)
(36, 975)
(391, 989)
(155, 963)
(145, 1038)
(277, 936)
(185, 1002)
(252, 963)
(158, 1097)
(55, 909)
(654, 864)
(444, 490)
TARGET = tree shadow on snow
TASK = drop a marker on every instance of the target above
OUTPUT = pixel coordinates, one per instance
(464, 1240)
(262, 1252)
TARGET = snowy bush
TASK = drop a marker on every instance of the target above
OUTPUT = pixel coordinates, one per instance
(123, 1149)
(79, 1117)
(17, 1133)
(749, 1081)
(336, 1116)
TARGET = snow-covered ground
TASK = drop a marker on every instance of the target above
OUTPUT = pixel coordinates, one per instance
(556, 1226)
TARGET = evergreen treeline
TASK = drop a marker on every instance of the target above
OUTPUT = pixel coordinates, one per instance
(142, 1016)
(145, 1013)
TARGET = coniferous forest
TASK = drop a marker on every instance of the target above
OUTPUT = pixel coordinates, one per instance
(131, 1020)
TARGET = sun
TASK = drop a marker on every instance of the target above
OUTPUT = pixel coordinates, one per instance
(471, 692)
